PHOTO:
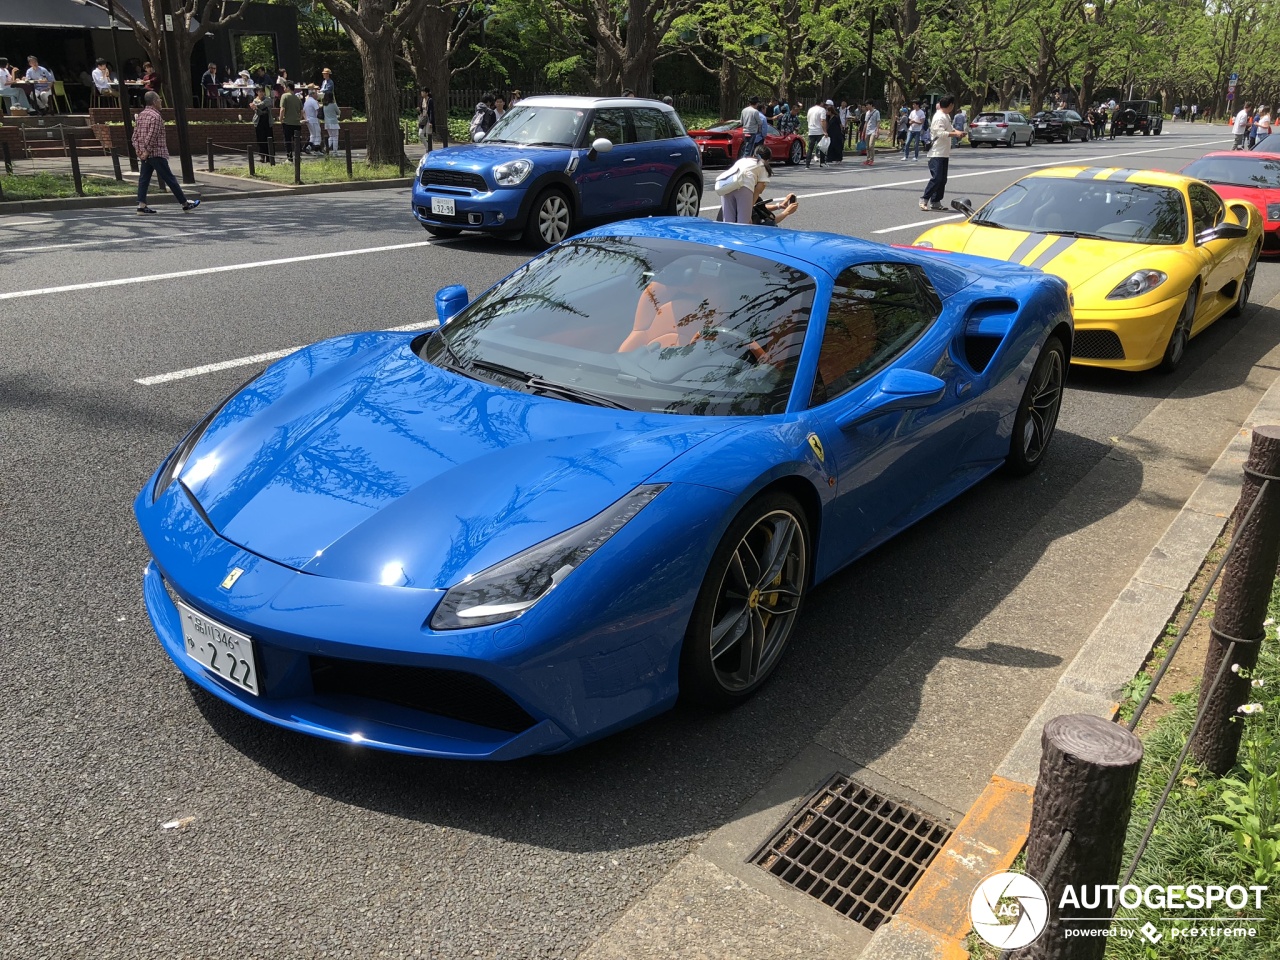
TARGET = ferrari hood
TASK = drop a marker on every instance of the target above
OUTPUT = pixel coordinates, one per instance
(1077, 261)
(383, 468)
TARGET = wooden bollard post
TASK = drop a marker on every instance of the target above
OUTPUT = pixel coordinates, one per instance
(115, 164)
(76, 179)
(1242, 606)
(208, 145)
(297, 160)
(248, 152)
(346, 145)
(1088, 772)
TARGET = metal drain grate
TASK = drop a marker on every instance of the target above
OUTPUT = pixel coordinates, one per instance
(854, 850)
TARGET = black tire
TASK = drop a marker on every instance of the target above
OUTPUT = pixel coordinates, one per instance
(441, 233)
(972, 144)
(1246, 285)
(686, 199)
(1031, 138)
(1176, 349)
(1012, 141)
(796, 155)
(550, 220)
(1037, 414)
(752, 638)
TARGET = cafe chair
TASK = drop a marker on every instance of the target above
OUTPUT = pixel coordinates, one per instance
(212, 96)
(100, 98)
(60, 99)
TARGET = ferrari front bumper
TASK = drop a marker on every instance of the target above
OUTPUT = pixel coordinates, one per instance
(1125, 339)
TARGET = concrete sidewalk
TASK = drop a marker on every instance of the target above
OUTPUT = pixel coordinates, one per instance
(954, 727)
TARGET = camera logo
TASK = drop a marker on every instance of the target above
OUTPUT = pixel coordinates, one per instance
(1009, 910)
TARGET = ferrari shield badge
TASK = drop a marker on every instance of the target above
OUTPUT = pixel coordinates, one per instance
(816, 444)
(230, 579)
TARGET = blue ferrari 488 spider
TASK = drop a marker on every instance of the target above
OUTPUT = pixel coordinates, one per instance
(609, 480)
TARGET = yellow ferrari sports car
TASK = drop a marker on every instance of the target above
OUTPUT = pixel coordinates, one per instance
(1152, 258)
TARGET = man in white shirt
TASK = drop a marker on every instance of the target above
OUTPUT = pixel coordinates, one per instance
(817, 118)
(915, 126)
(1240, 127)
(940, 154)
(311, 110)
(871, 125)
(42, 77)
(8, 91)
(101, 77)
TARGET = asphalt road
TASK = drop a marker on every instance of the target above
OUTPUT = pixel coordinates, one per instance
(294, 847)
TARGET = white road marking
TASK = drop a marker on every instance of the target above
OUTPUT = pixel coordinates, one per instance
(1063, 162)
(920, 223)
(205, 271)
(249, 361)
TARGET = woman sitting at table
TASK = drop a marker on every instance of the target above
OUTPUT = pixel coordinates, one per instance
(7, 89)
(150, 79)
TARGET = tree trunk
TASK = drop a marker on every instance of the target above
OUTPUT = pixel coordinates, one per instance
(1007, 89)
(728, 86)
(377, 62)
(429, 59)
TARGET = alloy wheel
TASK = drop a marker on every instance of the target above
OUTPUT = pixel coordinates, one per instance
(758, 600)
(553, 219)
(686, 200)
(1043, 403)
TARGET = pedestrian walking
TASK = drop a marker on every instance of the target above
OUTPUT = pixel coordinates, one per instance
(1253, 128)
(742, 184)
(311, 113)
(1195, 109)
(871, 127)
(943, 134)
(427, 119)
(1115, 123)
(817, 119)
(900, 125)
(915, 126)
(290, 118)
(1264, 125)
(483, 118)
(152, 147)
(261, 107)
(752, 127)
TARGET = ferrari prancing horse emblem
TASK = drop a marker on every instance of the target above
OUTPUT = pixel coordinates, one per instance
(230, 580)
(817, 447)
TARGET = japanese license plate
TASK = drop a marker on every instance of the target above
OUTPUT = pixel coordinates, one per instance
(219, 649)
(443, 207)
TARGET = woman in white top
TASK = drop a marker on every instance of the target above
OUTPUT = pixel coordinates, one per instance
(331, 118)
(1264, 122)
(755, 172)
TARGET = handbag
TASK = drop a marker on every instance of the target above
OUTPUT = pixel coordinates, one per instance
(735, 178)
(862, 146)
(824, 144)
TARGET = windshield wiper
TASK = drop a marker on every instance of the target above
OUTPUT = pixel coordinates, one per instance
(544, 143)
(1078, 235)
(573, 393)
(455, 363)
(983, 222)
(522, 375)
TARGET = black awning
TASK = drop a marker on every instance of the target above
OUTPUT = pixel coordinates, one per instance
(62, 14)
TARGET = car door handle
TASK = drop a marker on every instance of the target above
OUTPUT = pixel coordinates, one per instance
(629, 160)
(677, 156)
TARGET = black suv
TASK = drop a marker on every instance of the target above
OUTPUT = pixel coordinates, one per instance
(1133, 116)
(1064, 125)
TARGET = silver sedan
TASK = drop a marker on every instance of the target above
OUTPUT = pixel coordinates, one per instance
(1001, 126)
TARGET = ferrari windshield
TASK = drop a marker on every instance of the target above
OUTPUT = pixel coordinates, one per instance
(1243, 171)
(641, 323)
(537, 125)
(1102, 209)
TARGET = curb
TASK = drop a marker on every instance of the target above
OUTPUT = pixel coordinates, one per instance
(933, 922)
(19, 207)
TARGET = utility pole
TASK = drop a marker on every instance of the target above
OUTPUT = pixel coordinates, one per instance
(172, 66)
(125, 112)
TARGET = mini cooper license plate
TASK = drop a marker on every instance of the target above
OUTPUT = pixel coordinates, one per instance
(219, 649)
(443, 207)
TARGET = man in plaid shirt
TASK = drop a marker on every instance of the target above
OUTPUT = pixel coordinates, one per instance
(153, 150)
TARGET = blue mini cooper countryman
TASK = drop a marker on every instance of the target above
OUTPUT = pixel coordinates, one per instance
(554, 165)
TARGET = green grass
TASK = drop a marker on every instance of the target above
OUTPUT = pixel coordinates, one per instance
(328, 170)
(1189, 848)
(55, 186)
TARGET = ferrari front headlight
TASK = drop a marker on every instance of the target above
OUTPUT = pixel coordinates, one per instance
(512, 173)
(926, 244)
(508, 589)
(1136, 284)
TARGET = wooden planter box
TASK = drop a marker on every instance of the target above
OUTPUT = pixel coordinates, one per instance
(227, 137)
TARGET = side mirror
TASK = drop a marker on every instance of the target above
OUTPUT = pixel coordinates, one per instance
(598, 146)
(478, 136)
(964, 206)
(450, 301)
(899, 390)
(1229, 231)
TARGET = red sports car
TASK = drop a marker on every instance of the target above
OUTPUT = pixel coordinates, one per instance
(723, 142)
(1244, 175)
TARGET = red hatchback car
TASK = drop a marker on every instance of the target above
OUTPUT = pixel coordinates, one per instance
(1243, 175)
(723, 142)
